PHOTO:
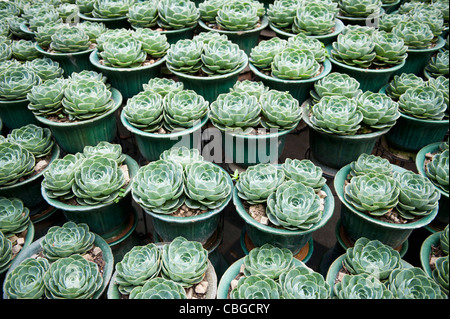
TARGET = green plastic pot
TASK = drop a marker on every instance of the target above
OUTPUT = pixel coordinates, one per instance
(426, 249)
(29, 190)
(325, 39)
(369, 79)
(245, 150)
(113, 221)
(336, 151)
(152, 145)
(129, 81)
(442, 218)
(35, 248)
(358, 224)
(368, 21)
(210, 275)
(16, 114)
(232, 272)
(29, 237)
(72, 137)
(196, 228)
(391, 7)
(411, 134)
(177, 34)
(209, 86)
(70, 62)
(294, 240)
(299, 89)
(336, 266)
(418, 59)
(246, 39)
(110, 23)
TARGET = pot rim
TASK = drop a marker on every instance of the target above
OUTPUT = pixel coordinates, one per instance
(439, 45)
(94, 58)
(264, 24)
(338, 182)
(171, 31)
(25, 100)
(420, 160)
(259, 137)
(61, 54)
(129, 161)
(425, 250)
(382, 12)
(338, 26)
(55, 154)
(327, 214)
(94, 19)
(116, 96)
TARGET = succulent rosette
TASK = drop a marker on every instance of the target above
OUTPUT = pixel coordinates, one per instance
(15, 162)
(159, 288)
(145, 111)
(369, 163)
(182, 155)
(14, 216)
(425, 102)
(301, 282)
(379, 110)
(437, 170)
(304, 171)
(279, 110)
(257, 287)
(361, 286)
(35, 139)
(5, 252)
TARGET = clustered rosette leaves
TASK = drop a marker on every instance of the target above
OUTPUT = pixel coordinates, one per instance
(256, 88)
(443, 240)
(371, 257)
(89, 178)
(301, 282)
(335, 83)
(364, 8)
(35, 139)
(440, 273)
(315, 18)
(238, 15)
(361, 286)
(438, 170)
(16, 81)
(45, 68)
(69, 39)
(174, 15)
(182, 155)
(165, 185)
(110, 8)
(304, 171)
(425, 102)
(24, 50)
(143, 14)
(369, 163)
(5, 252)
(159, 288)
(14, 216)
(400, 83)
(439, 64)
(68, 239)
(256, 287)
(15, 162)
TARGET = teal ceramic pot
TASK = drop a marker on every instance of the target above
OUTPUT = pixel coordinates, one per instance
(299, 89)
(294, 240)
(442, 218)
(110, 23)
(369, 79)
(210, 276)
(72, 137)
(426, 249)
(29, 190)
(371, 20)
(25, 33)
(35, 248)
(325, 39)
(418, 59)
(336, 266)
(245, 150)
(336, 151)
(411, 134)
(391, 7)
(151, 145)
(129, 81)
(209, 86)
(16, 114)
(114, 221)
(29, 237)
(70, 62)
(358, 224)
(177, 34)
(232, 272)
(197, 228)
(246, 39)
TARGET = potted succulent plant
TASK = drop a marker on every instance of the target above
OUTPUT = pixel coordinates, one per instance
(26, 153)
(270, 272)
(68, 262)
(16, 230)
(137, 55)
(24, 50)
(209, 64)
(93, 187)
(16, 80)
(391, 204)
(161, 119)
(373, 270)
(253, 122)
(283, 204)
(79, 110)
(421, 29)
(345, 122)
(432, 162)
(438, 65)
(241, 21)
(316, 19)
(364, 13)
(434, 257)
(179, 269)
(292, 65)
(175, 19)
(423, 109)
(70, 46)
(183, 200)
(369, 55)
(112, 13)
